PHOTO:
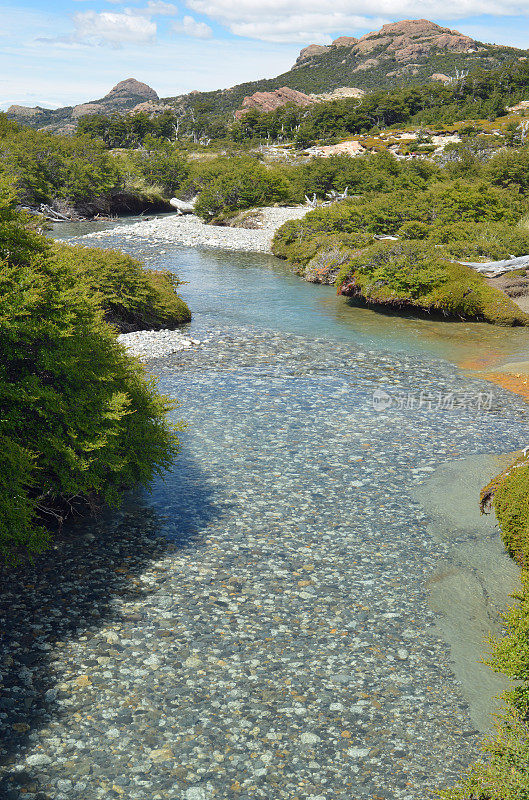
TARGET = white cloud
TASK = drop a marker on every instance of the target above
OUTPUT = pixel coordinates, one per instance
(304, 20)
(156, 8)
(303, 28)
(192, 27)
(113, 28)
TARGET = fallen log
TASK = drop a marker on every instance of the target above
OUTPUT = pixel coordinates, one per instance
(53, 215)
(494, 268)
(182, 207)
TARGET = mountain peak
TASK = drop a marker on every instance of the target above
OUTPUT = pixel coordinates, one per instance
(403, 41)
(130, 88)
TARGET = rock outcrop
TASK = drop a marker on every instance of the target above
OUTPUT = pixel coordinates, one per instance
(24, 112)
(403, 41)
(269, 101)
(410, 38)
(339, 94)
(310, 51)
(125, 96)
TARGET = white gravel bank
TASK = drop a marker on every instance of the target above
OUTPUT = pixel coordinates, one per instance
(154, 344)
(190, 231)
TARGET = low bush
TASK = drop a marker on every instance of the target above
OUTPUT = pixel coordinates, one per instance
(79, 420)
(161, 164)
(46, 168)
(415, 275)
(232, 184)
(132, 297)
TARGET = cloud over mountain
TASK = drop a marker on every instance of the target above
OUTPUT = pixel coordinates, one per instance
(300, 20)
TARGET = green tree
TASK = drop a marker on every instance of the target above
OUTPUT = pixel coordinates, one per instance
(78, 420)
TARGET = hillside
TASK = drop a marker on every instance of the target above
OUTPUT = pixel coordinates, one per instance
(127, 95)
(410, 51)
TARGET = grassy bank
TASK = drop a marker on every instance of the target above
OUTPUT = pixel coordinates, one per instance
(504, 774)
(80, 420)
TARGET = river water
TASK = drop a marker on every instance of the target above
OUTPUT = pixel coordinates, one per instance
(310, 619)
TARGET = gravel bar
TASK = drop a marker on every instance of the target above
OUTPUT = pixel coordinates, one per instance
(190, 231)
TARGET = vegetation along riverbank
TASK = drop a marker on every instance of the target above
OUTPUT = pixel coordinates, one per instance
(80, 419)
(404, 194)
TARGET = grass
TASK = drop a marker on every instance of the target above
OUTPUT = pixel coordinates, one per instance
(504, 773)
(132, 297)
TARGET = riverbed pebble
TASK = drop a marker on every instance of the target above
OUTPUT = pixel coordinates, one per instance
(155, 344)
(191, 231)
(234, 632)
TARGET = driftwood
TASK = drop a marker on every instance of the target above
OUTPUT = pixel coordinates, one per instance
(182, 207)
(332, 197)
(494, 268)
(52, 215)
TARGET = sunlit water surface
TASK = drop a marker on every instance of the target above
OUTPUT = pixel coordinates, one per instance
(327, 552)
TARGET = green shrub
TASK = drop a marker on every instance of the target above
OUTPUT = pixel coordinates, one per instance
(161, 164)
(298, 241)
(413, 213)
(79, 420)
(474, 241)
(45, 168)
(510, 169)
(234, 184)
(132, 297)
(414, 230)
(412, 274)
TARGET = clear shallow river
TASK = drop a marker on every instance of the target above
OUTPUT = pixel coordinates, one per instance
(286, 614)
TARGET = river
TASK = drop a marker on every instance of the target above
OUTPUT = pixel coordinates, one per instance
(298, 609)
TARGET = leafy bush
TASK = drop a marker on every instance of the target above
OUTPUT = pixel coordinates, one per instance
(510, 169)
(414, 229)
(79, 420)
(45, 168)
(406, 269)
(228, 185)
(488, 242)
(132, 297)
(415, 275)
(160, 164)
(427, 212)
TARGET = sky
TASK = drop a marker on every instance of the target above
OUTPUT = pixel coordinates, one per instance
(72, 51)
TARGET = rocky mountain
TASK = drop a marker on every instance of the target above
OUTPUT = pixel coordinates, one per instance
(403, 42)
(269, 101)
(127, 95)
(410, 51)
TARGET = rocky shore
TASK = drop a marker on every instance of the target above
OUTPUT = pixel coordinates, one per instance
(190, 231)
(155, 344)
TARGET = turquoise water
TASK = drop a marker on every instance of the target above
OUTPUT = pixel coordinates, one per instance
(303, 562)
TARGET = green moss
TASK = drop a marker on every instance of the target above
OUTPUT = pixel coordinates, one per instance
(415, 275)
(504, 775)
(80, 421)
(132, 297)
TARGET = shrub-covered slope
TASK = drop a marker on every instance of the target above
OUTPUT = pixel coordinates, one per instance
(435, 221)
(413, 276)
(504, 774)
(132, 298)
(79, 421)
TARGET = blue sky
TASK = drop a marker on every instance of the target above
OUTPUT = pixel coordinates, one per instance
(77, 50)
